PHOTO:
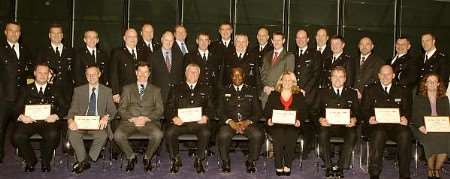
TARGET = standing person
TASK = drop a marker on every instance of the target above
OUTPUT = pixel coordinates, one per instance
(432, 60)
(366, 67)
(404, 64)
(338, 58)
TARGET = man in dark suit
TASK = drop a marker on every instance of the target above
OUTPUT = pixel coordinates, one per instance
(263, 44)
(336, 96)
(191, 94)
(124, 62)
(275, 63)
(146, 41)
(367, 66)
(89, 55)
(404, 64)
(92, 99)
(59, 58)
(322, 45)
(225, 43)
(15, 68)
(239, 112)
(387, 94)
(180, 34)
(433, 60)
(338, 58)
(241, 57)
(167, 66)
(140, 110)
(38, 93)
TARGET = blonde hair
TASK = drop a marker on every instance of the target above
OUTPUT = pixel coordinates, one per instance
(279, 85)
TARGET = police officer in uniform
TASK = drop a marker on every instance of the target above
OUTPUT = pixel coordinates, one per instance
(41, 93)
(59, 58)
(387, 94)
(263, 45)
(239, 112)
(336, 96)
(190, 94)
(225, 44)
(433, 60)
(404, 64)
(14, 70)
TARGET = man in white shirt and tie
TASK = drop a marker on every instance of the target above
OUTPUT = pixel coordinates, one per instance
(404, 64)
(321, 42)
(433, 60)
(180, 34)
(148, 43)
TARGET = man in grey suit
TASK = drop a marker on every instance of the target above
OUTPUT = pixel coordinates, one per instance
(275, 62)
(367, 66)
(92, 99)
(140, 109)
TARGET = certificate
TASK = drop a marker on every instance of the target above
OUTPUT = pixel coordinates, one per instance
(337, 116)
(87, 122)
(38, 111)
(437, 123)
(284, 117)
(190, 114)
(387, 115)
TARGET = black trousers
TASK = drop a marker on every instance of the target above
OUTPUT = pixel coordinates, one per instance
(380, 133)
(255, 139)
(7, 113)
(308, 132)
(284, 139)
(345, 154)
(200, 130)
(49, 142)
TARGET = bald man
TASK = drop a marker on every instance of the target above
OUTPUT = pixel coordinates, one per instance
(167, 65)
(124, 61)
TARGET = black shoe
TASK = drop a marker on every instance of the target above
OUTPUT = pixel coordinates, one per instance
(130, 165)
(83, 166)
(76, 166)
(198, 165)
(29, 167)
(45, 167)
(281, 173)
(176, 164)
(226, 166)
(287, 173)
(340, 173)
(374, 177)
(147, 165)
(328, 172)
(251, 166)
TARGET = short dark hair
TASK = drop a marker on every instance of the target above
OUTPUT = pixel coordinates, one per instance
(143, 64)
(263, 27)
(322, 28)
(238, 68)
(56, 25)
(403, 37)
(304, 31)
(278, 33)
(202, 33)
(93, 66)
(12, 23)
(429, 33)
(338, 68)
(43, 64)
(338, 37)
(225, 23)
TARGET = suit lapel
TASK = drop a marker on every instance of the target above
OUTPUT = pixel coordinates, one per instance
(85, 98)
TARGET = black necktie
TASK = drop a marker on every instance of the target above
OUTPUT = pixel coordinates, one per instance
(92, 104)
(338, 92)
(363, 59)
(334, 59)
(300, 53)
(191, 87)
(14, 50)
(426, 58)
(57, 52)
(386, 90)
(93, 55)
(41, 91)
(133, 53)
(204, 57)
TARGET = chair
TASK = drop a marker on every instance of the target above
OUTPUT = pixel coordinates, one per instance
(36, 137)
(141, 148)
(299, 141)
(191, 138)
(333, 140)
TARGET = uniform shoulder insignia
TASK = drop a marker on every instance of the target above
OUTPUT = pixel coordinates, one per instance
(441, 54)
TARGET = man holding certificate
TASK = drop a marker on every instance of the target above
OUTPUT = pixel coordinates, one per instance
(140, 110)
(189, 108)
(36, 101)
(386, 107)
(284, 110)
(432, 105)
(91, 109)
(239, 111)
(336, 107)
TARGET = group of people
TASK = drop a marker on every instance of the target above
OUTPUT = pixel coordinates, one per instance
(145, 83)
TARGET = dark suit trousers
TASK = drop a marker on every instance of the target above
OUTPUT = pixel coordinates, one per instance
(380, 133)
(7, 112)
(345, 154)
(253, 133)
(50, 140)
(151, 130)
(200, 130)
(284, 139)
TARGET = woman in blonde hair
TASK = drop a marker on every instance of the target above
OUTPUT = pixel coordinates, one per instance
(287, 96)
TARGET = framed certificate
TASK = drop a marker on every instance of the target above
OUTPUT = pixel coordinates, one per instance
(437, 123)
(190, 114)
(38, 111)
(87, 122)
(387, 115)
(284, 117)
(337, 116)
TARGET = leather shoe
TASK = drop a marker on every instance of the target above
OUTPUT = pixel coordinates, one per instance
(176, 164)
(147, 165)
(29, 167)
(226, 166)
(82, 167)
(251, 166)
(130, 164)
(329, 172)
(45, 167)
(198, 165)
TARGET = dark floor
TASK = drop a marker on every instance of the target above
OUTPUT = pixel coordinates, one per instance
(11, 168)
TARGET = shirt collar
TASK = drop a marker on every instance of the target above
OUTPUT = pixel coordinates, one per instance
(430, 53)
(365, 56)
(238, 87)
(388, 86)
(60, 46)
(337, 55)
(263, 45)
(322, 47)
(93, 86)
(90, 49)
(191, 84)
(278, 51)
(203, 51)
(303, 48)
(11, 44)
(139, 84)
(38, 86)
(340, 89)
(226, 41)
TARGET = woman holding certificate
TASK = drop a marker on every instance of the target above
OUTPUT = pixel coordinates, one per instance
(431, 101)
(284, 110)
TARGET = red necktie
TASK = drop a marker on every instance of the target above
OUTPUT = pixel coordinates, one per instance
(275, 58)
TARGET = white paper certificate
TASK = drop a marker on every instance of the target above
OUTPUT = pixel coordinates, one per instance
(284, 117)
(337, 116)
(387, 115)
(38, 111)
(87, 122)
(437, 123)
(190, 114)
